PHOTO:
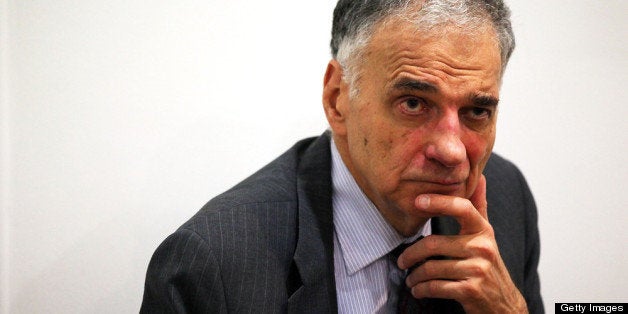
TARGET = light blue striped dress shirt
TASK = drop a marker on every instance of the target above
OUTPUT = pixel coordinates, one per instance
(366, 278)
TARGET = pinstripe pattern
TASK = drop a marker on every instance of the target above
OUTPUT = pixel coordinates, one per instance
(246, 247)
(366, 279)
(268, 244)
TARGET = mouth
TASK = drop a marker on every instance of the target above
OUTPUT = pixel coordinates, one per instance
(447, 185)
(439, 186)
(453, 183)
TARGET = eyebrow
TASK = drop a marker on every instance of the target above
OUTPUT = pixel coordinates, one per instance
(477, 99)
(415, 85)
(483, 100)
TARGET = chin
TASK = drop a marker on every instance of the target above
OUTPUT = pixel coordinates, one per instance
(412, 226)
(409, 220)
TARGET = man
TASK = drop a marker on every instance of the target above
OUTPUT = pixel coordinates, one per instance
(411, 97)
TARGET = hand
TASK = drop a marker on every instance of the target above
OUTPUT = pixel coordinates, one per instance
(474, 273)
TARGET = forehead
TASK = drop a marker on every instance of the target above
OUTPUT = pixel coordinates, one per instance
(447, 52)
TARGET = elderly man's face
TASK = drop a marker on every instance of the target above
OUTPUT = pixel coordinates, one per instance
(423, 120)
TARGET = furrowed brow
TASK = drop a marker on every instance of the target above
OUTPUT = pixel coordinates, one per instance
(409, 84)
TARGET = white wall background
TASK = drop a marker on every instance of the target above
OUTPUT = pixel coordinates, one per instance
(121, 118)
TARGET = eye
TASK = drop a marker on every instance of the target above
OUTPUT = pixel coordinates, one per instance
(479, 113)
(413, 105)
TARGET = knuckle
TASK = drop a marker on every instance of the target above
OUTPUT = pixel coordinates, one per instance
(468, 209)
(471, 291)
(431, 243)
(485, 249)
(467, 204)
(476, 270)
(429, 269)
(480, 269)
(433, 288)
(490, 231)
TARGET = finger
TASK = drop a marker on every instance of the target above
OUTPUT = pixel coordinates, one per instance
(448, 270)
(439, 288)
(461, 209)
(431, 246)
(478, 198)
(434, 270)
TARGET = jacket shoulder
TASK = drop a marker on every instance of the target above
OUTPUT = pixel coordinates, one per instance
(243, 240)
(267, 198)
(506, 183)
(275, 182)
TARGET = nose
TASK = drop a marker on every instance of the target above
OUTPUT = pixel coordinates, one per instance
(446, 146)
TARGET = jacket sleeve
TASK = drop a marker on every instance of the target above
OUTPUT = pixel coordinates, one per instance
(183, 277)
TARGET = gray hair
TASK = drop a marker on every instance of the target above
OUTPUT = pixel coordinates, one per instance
(355, 20)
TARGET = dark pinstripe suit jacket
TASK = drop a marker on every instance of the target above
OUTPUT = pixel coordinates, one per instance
(265, 246)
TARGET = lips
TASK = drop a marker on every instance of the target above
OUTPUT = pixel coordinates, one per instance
(437, 186)
(443, 185)
(445, 182)
(444, 178)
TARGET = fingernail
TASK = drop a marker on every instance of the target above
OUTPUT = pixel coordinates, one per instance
(424, 201)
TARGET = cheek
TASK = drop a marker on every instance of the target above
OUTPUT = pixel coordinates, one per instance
(478, 151)
(479, 147)
(409, 147)
(364, 138)
(374, 135)
(388, 150)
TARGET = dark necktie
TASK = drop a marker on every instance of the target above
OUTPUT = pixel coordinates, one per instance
(407, 303)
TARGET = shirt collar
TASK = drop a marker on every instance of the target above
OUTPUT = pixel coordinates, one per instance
(363, 234)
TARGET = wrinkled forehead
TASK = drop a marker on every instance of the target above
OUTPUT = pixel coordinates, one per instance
(473, 47)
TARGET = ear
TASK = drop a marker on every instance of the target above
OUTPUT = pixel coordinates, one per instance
(335, 98)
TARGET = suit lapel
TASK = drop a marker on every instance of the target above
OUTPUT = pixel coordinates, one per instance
(313, 257)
